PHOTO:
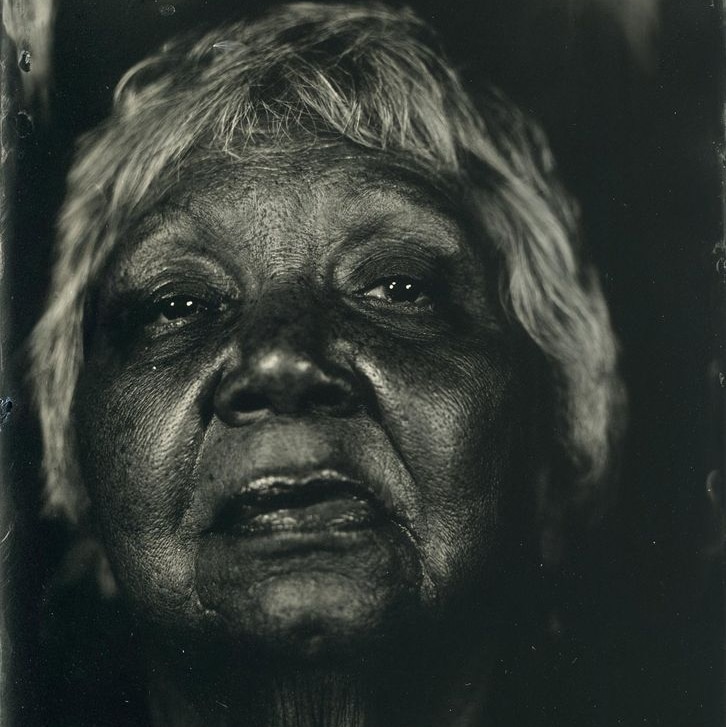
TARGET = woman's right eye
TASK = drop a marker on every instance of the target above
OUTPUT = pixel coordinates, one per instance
(149, 315)
(178, 307)
(173, 310)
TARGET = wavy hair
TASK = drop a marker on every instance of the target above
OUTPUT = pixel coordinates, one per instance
(374, 77)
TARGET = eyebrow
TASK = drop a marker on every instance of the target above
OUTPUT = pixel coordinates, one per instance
(447, 217)
(168, 222)
(446, 241)
(441, 192)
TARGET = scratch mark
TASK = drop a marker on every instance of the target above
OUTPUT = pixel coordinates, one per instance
(24, 124)
(24, 61)
(6, 406)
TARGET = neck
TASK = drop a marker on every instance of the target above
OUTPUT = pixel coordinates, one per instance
(438, 693)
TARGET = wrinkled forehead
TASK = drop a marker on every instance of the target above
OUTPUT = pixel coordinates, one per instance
(283, 174)
(277, 162)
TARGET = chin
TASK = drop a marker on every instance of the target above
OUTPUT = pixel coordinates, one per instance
(312, 595)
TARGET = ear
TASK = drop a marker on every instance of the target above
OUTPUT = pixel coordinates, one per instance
(86, 558)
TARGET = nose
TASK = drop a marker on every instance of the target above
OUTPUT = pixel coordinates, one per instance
(283, 380)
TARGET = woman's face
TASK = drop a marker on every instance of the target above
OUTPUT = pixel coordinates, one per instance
(301, 406)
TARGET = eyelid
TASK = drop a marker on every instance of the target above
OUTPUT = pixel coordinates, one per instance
(371, 263)
(168, 285)
(175, 289)
(189, 271)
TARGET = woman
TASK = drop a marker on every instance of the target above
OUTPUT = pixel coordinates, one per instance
(321, 371)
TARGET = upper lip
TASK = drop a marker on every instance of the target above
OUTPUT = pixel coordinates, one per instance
(271, 492)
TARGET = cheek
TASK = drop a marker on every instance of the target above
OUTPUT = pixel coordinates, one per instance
(451, 412)
(138, 435)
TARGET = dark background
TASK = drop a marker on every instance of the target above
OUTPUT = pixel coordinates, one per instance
(632, 102)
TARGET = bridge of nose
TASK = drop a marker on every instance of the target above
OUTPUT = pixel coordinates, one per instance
(284, 359)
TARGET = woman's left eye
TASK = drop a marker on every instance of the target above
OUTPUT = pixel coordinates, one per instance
(401, 290)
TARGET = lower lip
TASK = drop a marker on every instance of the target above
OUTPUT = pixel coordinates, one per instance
(345, 514)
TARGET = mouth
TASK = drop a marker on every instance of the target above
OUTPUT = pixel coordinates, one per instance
(321, 502)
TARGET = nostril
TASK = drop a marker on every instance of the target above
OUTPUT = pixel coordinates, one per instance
(249, 401)
(327, 396)
(236, 401)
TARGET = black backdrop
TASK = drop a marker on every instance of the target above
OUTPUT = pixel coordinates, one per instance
(634, 111)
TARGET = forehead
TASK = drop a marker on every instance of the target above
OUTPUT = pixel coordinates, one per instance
(331, 169)
(321, 189)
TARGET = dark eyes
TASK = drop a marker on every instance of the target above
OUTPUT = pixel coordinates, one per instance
(401, 290)
(179, 309)
(179, 306)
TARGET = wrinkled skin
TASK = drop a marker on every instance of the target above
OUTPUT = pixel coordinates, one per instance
(339, 316)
